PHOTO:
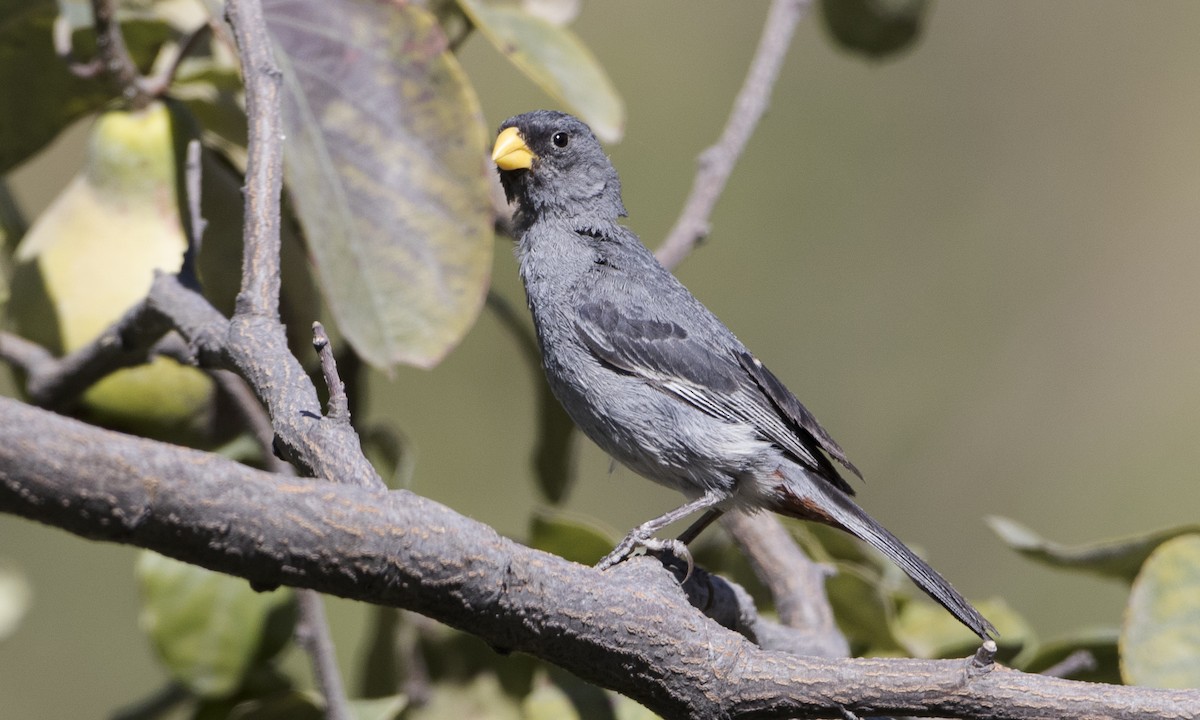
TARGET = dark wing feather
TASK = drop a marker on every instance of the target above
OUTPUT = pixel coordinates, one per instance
(728, 387)
(659, 351)
(790, 407)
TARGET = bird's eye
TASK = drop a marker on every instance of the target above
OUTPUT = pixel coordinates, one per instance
(560, 139)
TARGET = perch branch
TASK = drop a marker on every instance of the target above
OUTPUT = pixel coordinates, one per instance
(630, 628)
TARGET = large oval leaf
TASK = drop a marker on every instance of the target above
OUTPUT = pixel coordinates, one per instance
(210, 629)
(1160, 640)
(554, 58)
(386, 167)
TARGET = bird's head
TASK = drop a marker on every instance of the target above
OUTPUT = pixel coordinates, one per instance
(551, 164)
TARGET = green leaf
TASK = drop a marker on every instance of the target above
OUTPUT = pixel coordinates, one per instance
(381, 666)
(50, 99)
(385, 708)
(572, 538)
(289, 705)
(53, 98)
(210, 629)
(386, 168)
(1160, 640)
(1120, 559)
(556, 453)
(626, 709)
(861, 609)
(927, 630)
(480, 699)
(554, 457)
(15, 597)
(875, 28)
(1100, 643)
(548, 702)
(554, 58)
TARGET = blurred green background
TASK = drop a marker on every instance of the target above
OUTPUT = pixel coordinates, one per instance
(976, 263)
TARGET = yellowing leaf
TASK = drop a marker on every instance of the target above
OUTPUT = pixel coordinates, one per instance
(15, 597)
(1160, 640)
(386, 166)
(92, 255)
(554, 58)
(926, 630)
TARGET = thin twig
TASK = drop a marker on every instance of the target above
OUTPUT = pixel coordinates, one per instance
(254, 418)
(259, 293)
(194, 220)
(53, 382)
(161, 82)
(112, 52)
(24, 354)
(312, 634)
(1073, 664)
(64, 48)
(339, 407)
(716, 163)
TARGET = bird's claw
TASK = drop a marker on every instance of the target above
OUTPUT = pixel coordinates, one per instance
(627, 547)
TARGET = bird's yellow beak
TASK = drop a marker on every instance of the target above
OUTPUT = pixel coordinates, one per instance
(510, 151)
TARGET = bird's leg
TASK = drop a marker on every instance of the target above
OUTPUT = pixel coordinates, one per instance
(643, 535)
(693, 531)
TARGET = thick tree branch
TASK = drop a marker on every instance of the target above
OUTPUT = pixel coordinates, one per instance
(716, 163)
(630, 629)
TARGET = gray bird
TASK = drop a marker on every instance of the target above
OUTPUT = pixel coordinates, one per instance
(653, 377)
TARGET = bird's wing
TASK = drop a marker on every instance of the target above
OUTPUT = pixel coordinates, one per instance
(728, 384)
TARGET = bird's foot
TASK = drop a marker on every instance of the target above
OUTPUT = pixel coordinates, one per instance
(635, 540)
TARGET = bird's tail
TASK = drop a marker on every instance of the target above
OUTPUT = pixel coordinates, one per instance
(814, 499)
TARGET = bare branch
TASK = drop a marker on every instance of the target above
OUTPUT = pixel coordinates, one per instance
(61, 37)
(1077, 662)
(339, 404)
(312, 634)
(797, 584)
(716, 163)
(55, 383)
(264, 162)
(193, 221)
(630, 628)
(161, 82)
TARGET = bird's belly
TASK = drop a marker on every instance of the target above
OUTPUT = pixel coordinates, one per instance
(661, 437)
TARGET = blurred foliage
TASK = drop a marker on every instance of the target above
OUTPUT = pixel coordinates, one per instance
(389, 216)
(874, 28)
(1160, 639)
(212, 631)
(15, 598)
(385, 175)
(1121, 559)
